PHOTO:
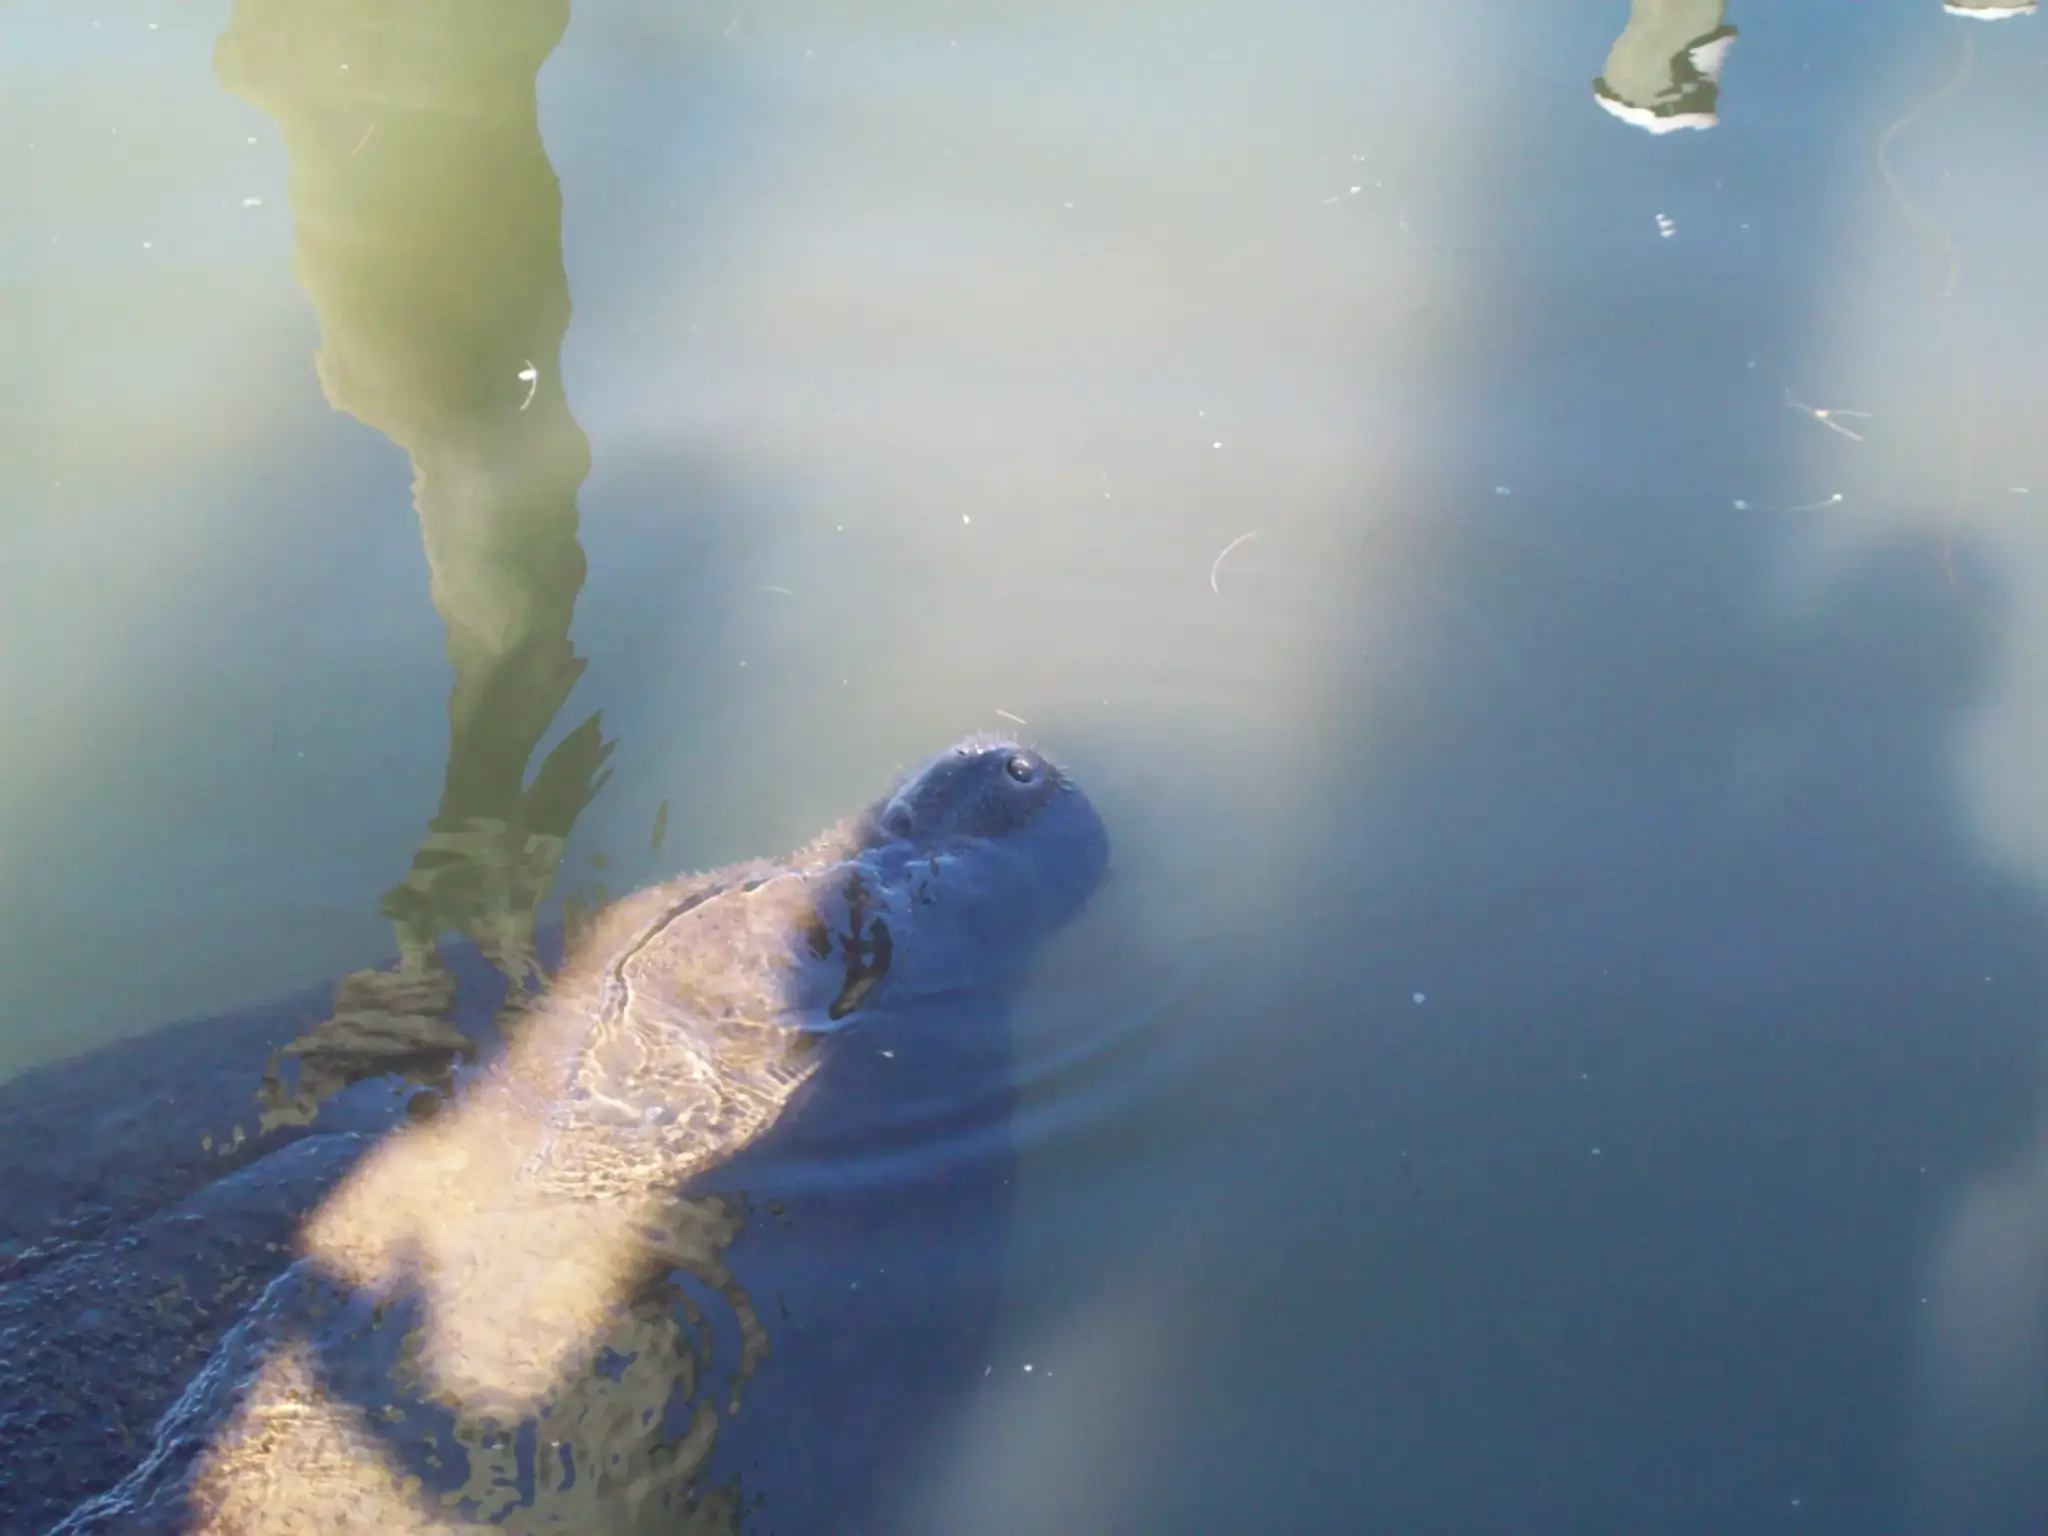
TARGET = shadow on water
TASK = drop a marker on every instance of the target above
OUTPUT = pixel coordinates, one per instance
(1628, 1011)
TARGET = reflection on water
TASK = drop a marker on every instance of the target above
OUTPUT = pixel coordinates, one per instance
(1664, 71)
(427, 234)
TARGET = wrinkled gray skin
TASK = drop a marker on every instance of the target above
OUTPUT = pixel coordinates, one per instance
(491, 1320)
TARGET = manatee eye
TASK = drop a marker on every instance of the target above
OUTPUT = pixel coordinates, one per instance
(1020, 768)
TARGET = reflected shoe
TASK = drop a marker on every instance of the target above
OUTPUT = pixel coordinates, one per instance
(1664, 71)
(1989, 10)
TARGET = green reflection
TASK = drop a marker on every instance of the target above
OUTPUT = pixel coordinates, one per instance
(1664, 71)
(426, 226)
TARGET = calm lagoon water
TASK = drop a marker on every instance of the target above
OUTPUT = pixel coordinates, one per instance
(1525, 521)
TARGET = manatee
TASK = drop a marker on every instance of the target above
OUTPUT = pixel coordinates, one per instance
(500, 1315)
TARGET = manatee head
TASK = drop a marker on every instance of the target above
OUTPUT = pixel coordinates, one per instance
(974, 860)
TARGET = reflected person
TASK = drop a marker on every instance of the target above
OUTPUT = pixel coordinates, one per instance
(427, 235)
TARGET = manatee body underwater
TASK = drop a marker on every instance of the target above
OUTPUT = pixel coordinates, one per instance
(625, 1276)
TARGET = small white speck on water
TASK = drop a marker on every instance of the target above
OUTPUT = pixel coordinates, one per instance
(1501, 490)
(965, 518)
(1027, 1367)
(890, 1054)
(1215, 445)
(252, 138)
(743, 663)
(148, 244)
(2016, 490)
(988, 1370)
(530, 377)
(1666, 228)
(854, 1286)
(1022, 721)
(252, 202)
(1422, 997)
(1742, 506)
(1596, 1152)
(839, 527)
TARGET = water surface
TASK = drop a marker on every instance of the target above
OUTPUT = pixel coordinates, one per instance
(1553, 614)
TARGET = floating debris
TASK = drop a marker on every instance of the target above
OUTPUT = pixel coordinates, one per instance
(1826, 415)
(1217, 564)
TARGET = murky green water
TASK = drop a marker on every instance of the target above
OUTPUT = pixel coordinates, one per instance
(1553, 614)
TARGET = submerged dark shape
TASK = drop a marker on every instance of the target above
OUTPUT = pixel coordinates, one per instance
(492, 1317)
